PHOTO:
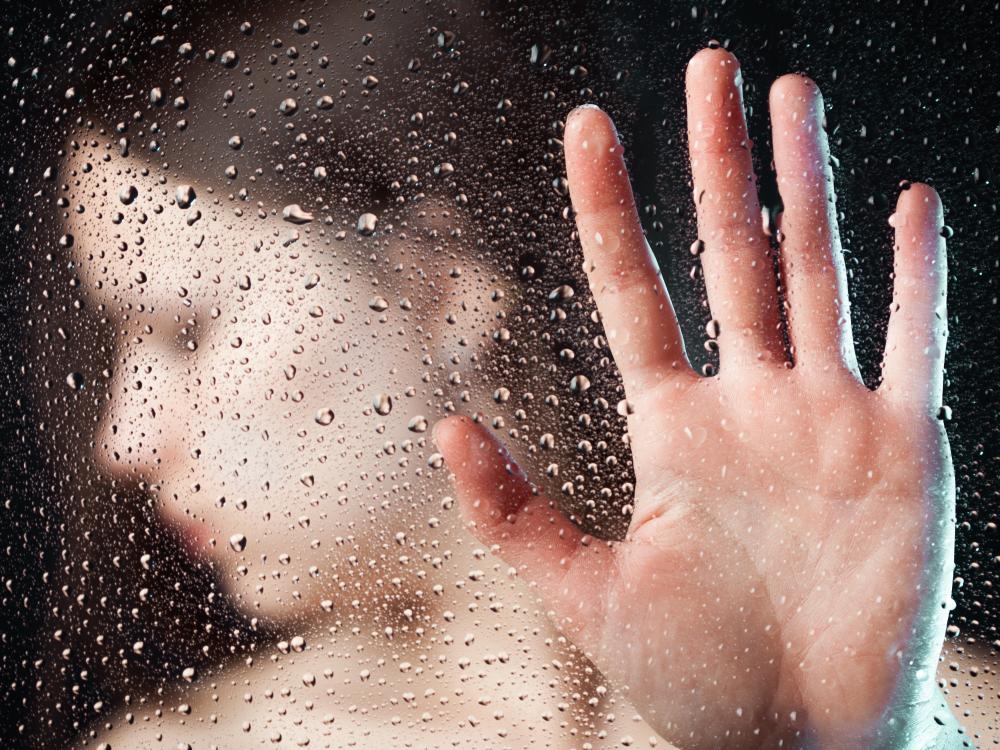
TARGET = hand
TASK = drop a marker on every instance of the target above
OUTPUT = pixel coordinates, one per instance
(787, 571)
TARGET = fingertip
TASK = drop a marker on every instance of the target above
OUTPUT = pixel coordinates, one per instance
(795, 84)
(489, 482)
(706, 64)
(451, 436)
(919, 196)
(795, 87)
(801, 151)
(587, 127)
(918, 220)
(918, 325)
(714, 93)
(585, 111)
(595, 164)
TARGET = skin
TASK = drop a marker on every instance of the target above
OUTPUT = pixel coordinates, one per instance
(192, 418)
(786, 578)
(168, 423)
(203, 417)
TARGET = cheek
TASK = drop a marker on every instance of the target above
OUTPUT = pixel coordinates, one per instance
(285, 437)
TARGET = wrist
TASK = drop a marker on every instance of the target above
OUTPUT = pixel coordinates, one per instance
(942, 728)
(927, 725)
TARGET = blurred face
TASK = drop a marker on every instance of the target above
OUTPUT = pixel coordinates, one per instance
(274, 378)
(292, 303)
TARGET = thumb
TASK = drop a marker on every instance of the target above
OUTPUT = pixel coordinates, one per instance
(505, 511)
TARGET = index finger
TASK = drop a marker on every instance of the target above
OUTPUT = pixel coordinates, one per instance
(638, 317)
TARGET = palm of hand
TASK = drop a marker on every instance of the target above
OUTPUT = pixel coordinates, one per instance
(786, 573)
(773, 525)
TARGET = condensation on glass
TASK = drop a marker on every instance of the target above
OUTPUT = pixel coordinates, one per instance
(253, 252)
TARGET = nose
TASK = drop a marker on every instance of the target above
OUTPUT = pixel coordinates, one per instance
(138, 432)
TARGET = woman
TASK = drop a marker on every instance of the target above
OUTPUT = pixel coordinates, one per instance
(289, 322)
(222, 422)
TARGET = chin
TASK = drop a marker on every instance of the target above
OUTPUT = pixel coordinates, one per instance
(270, 599)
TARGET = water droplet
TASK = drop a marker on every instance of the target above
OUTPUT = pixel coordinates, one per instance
(417, 424)
(540, 54)
(366, 224)
(625, 408)
(128, 194)
(382, 403)
(288, 106)
(378, 304)
(564, 291)
(238, 542)
(294, 214)
(75, 381)
(324, 417)
(184, 196)
(579, 383)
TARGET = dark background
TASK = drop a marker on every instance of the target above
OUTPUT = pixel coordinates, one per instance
(911, 92)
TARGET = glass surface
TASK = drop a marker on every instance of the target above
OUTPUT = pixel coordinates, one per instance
(254, 251)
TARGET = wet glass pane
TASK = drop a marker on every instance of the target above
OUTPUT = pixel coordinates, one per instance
(255, 252)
